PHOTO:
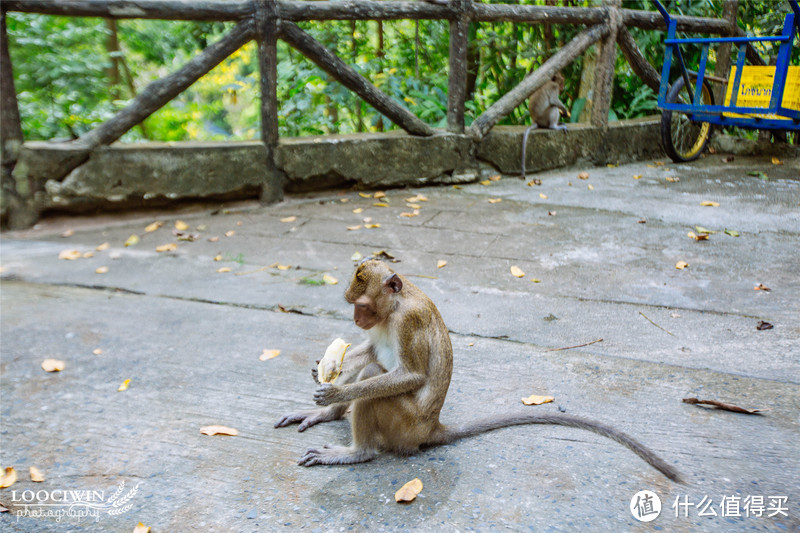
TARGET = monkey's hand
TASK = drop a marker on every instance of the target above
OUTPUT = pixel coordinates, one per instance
(327, 394)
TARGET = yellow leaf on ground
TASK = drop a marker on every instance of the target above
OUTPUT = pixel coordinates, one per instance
(364, 195)
(543, 196)
(672, 179)
(537, 400)
(709, 204)
(358, 210)
(441, 263)
(776, 161)
(68, 233)
(486, 182)
(494, 200)
(97, 351)
(409, 491)
(380, 204)
(590, 187)
(36, 475)
(329, 280)
(372, 226)
(269, 354)
(124, 385)
(102, 247)
(171, 247)
(517, 272)
(411, 214)
(283, 267)
(88, 255)
(141, 528)
(8, 478)
(133, 240)
(357, 256)
(536, 280)
(53, 365)
(102, 270)
(496, 177)
(180, 225)
(223, 270)
(354, 228)
(680, 265)
(637, 177)
(413, 206)
(69, 255)
(218, 257)
(697, 237)
(213, 239)
(230, 233)
(218, 430)
(379, 194)
(288, 219)
(154, 226)
(583, 176)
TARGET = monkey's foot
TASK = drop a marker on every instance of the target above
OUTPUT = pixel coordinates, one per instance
(336, 455)
(311, 417)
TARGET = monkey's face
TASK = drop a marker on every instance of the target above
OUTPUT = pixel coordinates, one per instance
(370, 292)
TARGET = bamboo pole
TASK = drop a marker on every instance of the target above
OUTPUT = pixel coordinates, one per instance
(508, 102)
(158, 93)
(351, 79)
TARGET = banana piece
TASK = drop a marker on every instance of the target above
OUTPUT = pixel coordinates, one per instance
(330, 366)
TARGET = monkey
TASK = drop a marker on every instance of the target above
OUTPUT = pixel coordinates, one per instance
(396, 381)
(545, 109)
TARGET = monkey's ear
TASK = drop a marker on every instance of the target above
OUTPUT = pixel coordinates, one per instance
(393, 283)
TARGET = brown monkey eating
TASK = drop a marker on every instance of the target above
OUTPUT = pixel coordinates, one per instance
(545, 109)
(396, 382)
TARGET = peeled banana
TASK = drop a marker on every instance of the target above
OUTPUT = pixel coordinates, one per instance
(330, 366)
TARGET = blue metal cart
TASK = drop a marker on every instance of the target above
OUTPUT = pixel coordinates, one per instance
(757, 97)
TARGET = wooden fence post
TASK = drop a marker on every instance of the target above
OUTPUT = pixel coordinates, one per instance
(267, 31)
(606, 59)
(723, 66)
(457, 84)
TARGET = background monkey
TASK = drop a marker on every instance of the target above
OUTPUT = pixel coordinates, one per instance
(397, 381)
(545, 109)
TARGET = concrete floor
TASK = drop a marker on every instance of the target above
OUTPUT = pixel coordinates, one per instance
(189, 339)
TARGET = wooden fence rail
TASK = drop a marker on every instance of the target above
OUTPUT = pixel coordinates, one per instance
(268, 20)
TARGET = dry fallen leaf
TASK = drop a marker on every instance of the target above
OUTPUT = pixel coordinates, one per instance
(141, 528)
(68, 233)
(536, 280)
(218, 257)
(637, 176)
(762, 287)
(53, 365)
(97, 351)
(133, 240)
(88, 255)
(101, 270)
(358, 210)
(494, 200)
(218, 430)
(230, 233)
(69, 255)
(102, 247)
(180, 225)
(288, 219)
(223, 270)
(732, 233)
(537, 400)
(380, 204)
(36, 475)
(171, 247)
(441, 263)
(721, 405)
(8, 478)
(517, 272)
(353, 228)
(411, 214)
(776, 161)
(269, 354)
(763, 326)
(357, 256)
(124, 385)
(379, 194)
(672, 179)
(409, 491)
(364, 195)
(413, 206)
(496, 177)
(590, 187)
(372, 226)
(543, 196)
(213, 239)
(329, 280)
(154, 226)
(680, 265)
(283, 267)
(659, 163)
(698, 237)
(709, 204)
(486, 182)
(583, 176)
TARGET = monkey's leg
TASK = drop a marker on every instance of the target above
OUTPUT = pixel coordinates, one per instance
(311, 417)
(336, 455)
(553, 115)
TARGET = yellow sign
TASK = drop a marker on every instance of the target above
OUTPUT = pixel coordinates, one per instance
(755, 90)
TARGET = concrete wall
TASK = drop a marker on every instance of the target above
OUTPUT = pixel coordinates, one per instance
(123, 176)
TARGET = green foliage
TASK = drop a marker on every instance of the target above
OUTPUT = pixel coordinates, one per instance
(61, 71)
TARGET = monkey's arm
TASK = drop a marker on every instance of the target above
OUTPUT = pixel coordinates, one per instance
(394, 383)
(354, 362)
(554, 101)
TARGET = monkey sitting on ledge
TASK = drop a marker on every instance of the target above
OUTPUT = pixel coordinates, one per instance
(545, 109)
(397, 381)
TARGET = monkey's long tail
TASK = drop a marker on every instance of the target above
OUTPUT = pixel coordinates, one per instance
(449, 434)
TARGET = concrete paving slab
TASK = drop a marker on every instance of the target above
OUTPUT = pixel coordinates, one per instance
(189, 339)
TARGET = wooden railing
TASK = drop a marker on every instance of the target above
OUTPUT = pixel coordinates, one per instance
(269, 20)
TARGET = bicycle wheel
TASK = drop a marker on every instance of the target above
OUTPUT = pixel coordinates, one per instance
(683, 138)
